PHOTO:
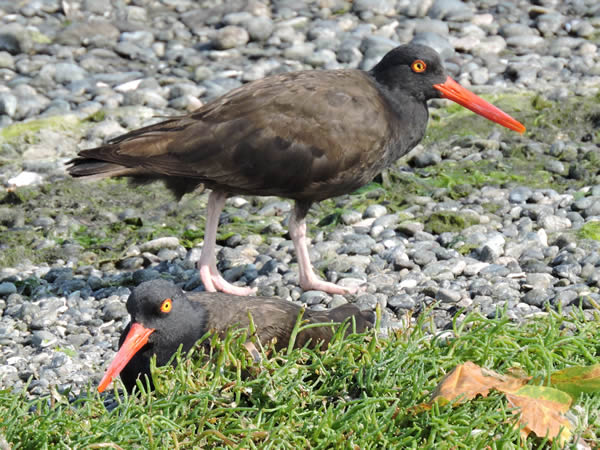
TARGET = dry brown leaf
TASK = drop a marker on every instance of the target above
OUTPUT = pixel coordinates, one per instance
(543, 417)
(253, 351)
(468, 380)
(541, 408)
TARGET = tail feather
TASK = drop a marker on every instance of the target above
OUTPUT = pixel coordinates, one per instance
(91, 169)
(95, 169)
(363, 319)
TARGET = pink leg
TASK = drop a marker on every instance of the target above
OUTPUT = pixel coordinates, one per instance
(210, 276)
(308, 279)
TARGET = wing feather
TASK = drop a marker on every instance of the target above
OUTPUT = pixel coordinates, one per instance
(293, 134)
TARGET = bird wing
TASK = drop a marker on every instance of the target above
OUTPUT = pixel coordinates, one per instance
(284, 134)
(274, 318)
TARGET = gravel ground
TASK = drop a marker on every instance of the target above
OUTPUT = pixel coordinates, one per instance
(475, 219)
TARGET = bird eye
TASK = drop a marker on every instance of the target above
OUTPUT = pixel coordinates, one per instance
(166, 305)
(418, 66)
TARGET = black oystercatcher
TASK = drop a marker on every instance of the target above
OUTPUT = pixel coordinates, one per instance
(307, 135)
(163, 317)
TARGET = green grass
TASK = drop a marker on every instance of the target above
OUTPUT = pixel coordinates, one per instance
(590, 230)
(359, 393)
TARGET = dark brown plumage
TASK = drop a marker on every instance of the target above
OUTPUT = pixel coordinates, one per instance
(189, 316)
(307, 136)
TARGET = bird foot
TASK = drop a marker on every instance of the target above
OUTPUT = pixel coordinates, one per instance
(316, 284)
(214, 282)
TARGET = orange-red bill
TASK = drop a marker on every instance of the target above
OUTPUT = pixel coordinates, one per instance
(134, 341)
(451, 90)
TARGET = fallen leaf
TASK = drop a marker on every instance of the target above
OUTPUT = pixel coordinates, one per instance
(541, 411)
(253, 351)
(468, 380)
(421, 407)
(577, 379)
(540, 408)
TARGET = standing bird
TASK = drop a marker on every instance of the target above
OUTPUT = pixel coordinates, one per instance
(163, 317)
(307, 135)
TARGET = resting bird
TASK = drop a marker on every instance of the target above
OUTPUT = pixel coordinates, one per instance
(307, 135)
(163, 317)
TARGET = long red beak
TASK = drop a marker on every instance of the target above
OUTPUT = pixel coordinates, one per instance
(451, 90)
(134, 341)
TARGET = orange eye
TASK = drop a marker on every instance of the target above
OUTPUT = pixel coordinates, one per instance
(418, 66)
(166, 305)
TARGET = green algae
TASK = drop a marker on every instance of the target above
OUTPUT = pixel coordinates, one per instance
(27, 130)
(448, 221)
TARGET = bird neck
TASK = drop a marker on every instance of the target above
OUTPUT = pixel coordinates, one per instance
(409, 120)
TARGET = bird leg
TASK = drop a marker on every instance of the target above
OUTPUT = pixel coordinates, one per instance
(308, 279)
(209, 274)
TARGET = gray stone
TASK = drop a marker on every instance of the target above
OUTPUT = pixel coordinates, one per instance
(185, 89)
(351, 217)
(231, 36)
(276, 208)
(565, 298)
(299, 51)
(10, 43)
(401, 302)
(140, 38)
(96, 32)
(448, 296)
(43, 339)
(410, 228)
(139, 276)
(423, 257)
(114, 310)
(450, 10)
(540, 281)
(553, 223)
(374, 48)
(7, 61)
(383, 7)
(519, 194)
(548, 24)
(7, 288)
(219, 86)
(438, 42)
(314, 297)
(425, 159)
(555, 166)
(324, 58)
(366, 302)
(569, 271)
(525, 41)
(581, 28)
(29, 102)
(375, 211)
(537, 297)
(259, 28)
(159, 243)
(515, 29)
(433, 25)
(147, 97)
(68, 72)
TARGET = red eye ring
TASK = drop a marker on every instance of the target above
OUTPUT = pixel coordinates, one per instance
(166, 306)
(418, 66)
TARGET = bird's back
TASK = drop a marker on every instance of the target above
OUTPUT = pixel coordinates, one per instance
(275, 318)
(304, 135)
